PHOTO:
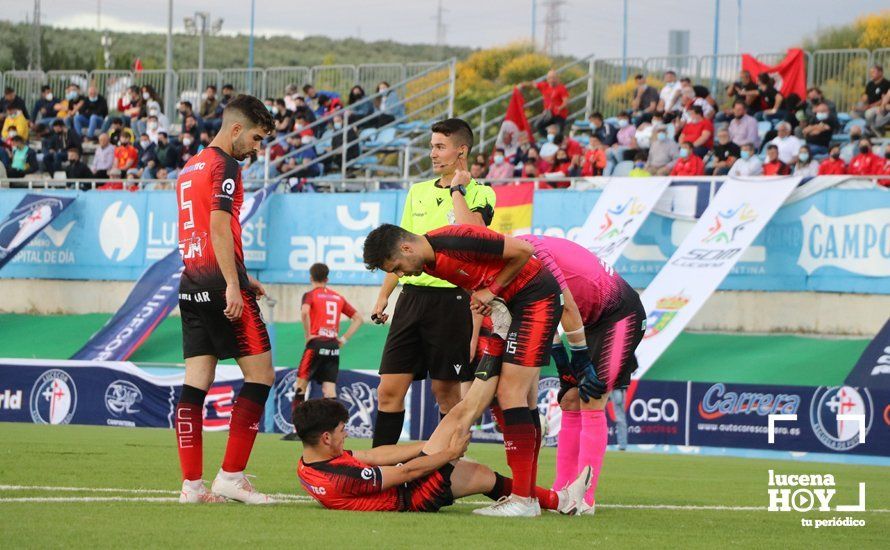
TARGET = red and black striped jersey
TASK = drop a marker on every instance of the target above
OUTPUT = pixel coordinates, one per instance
(346, 483)
(325, 307)
(210, 180)
(471, 257)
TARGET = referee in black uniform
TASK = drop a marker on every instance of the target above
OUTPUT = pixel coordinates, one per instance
(432, 325)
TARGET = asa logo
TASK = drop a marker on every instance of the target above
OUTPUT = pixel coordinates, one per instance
(119, 231)
(340, 251)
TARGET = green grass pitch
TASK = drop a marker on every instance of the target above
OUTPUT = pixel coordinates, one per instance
(51, 476)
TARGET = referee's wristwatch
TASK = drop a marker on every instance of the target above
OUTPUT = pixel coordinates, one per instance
(460, 189)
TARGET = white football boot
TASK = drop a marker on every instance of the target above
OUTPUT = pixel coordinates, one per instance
(238, 487)
(512, 506)
(571, 498)
(194, 492)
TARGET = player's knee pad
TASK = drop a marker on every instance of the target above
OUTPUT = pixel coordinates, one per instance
(489, 366)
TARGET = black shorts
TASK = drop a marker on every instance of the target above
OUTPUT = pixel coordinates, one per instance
(321, 361)
(612, 341)
(535, 310)
(207, 331)
(428, 493)
(430, 335)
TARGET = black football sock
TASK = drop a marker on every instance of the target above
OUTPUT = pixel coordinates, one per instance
(388, 428)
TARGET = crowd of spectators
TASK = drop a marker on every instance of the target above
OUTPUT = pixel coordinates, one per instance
(134, 139)
(681, 130)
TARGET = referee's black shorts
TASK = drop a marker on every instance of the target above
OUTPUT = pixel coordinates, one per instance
(430, 335)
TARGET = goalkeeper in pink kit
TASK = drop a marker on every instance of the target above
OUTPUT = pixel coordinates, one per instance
(604, 322)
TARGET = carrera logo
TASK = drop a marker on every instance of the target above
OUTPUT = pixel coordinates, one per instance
(718, 402)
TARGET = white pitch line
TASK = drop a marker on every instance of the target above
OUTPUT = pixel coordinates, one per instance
(303, 499)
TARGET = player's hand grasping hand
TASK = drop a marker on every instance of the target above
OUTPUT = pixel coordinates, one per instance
(460, 440)
(234, 303)
(480, 302)
(377, 314)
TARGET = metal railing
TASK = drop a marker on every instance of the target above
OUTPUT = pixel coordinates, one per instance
(407, 96)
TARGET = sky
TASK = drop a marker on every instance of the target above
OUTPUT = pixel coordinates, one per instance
(590, 26)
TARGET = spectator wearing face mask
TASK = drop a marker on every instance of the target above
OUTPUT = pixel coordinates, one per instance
(805, 165)
(689, 164)
(210, 111)
(55, 146)
(533, 159)
(91, 113)
(866, 163)
(669, 96)
(15, 123)
(594, 158)
(188, 150)
(167, 152)
(103, 157)
(148, 157)
(748, 163)
(770, 99)
(360, 109)
(500, 167)
(639, 169)
(126, 157)
(787, 144)
(77, 170)
(646, 131)
(698, 131)
(186, 112)
(301, 165)
(725, 153)
(663, 153)
(336, 148)
(644, 102)
(605, 132)
(388, 104)
(819, 129)
(833, 165)
(44, 111)
(10, 99)
(624, 140)
(774, 165)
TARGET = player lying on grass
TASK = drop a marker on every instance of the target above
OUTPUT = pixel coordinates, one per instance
(416, 477)
(491, 265)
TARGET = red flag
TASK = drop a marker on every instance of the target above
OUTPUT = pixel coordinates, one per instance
(790, 74)
(137, 65)
(516, 114)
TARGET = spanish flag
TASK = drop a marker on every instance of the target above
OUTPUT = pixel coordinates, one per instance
(513, 214)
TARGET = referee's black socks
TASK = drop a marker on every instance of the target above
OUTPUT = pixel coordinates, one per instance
(388, 427)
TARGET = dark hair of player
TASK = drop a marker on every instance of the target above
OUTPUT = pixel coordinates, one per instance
(319, 272)
(455, 128)
(251, 112)
(383, 244)
(315, 417)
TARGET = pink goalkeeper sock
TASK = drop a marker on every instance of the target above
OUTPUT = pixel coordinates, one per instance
(594, 437)
(568, 442)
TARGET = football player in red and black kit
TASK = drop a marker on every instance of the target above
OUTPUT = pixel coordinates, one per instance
(417, 477)
(491, 266)
(320, 313)
(218, 301)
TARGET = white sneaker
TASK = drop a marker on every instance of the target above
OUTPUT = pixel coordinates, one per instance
(194, 492)
(512, 506)
(587, 509)
(571, 498)
(238, 489)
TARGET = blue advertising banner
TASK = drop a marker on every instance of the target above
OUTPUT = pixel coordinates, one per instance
(153, 298)
(836, 240)
(29, 217)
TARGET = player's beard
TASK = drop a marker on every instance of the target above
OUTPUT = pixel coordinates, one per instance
(241, 149)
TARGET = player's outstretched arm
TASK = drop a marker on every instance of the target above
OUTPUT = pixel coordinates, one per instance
(224, 250)
(390, 455)
(427, 464)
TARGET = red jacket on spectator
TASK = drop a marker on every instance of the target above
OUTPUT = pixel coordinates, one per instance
(832, 167)
(594, 163)
(868, 164)
(552, 96)
(775, 168)
(693, 130)
(690, 166)
(573, 147)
